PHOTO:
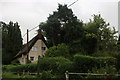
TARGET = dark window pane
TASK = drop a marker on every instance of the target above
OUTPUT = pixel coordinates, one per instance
(31, 58)
(43, 48)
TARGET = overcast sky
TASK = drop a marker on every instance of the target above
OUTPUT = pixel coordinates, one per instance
(29, 13)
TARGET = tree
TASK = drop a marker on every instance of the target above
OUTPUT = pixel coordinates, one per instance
(11, 41)
(98, 35)
(62, 26)
(105, 36)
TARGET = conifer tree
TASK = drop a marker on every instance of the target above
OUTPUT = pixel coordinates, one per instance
(11, 41)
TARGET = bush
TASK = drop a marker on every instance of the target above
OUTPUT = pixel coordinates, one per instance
(57, 51)
(86, 63)
(15, 62)
(7, 67)
(28, 77)
(46, 75)
(19, 68)
(105, 70)
(9, 75)
(58, 65)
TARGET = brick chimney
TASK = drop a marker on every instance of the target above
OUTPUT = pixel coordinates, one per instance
(39, 34)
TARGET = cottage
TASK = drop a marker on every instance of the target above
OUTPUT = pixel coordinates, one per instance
(36, 48)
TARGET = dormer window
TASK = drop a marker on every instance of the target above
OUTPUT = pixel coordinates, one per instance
(34, 48)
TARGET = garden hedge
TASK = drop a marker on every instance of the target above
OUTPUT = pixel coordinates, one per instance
(20, 68)
(55, 64)
(84, 63)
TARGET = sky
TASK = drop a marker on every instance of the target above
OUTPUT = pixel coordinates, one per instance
(30, 13)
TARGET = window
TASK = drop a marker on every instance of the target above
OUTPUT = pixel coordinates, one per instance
(34, 48)
(43, 48)
(31, 58)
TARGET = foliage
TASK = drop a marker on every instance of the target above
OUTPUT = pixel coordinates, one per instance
(29, 77)
(57, 51)
(20, 68)
(98, 36)
(47, 75)
(66, 36)
(105, 70)
(106, 36)
(75, 47)
(15, 62)
(88, 44)
(106, 54)
(11, 41)
(62, 26)
(7, 67)
(111, 70)
(86, 63)
(9, 75)
(58, 65)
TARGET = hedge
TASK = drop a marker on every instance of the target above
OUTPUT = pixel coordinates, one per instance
(55, 64)
(19, 68)
(58, 65)
(57, 51)
(11, 76)
(86, 63)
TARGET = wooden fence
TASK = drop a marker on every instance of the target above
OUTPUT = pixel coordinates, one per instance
(28, 73)
(67, 74)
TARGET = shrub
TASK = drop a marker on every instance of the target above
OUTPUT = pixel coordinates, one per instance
(85, 63)
(57, 65)
(111, 70)
(19, 68)
(106, 69)
(8, 67)
(46, 75)
(28, 77)
(9, 75)
(57, 51)
(15, 62)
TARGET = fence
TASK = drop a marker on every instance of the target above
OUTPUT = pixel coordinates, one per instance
(90, 74)
(28, 73)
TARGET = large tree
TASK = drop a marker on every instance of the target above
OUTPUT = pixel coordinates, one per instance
(62, 26)
(11, 41)
(98, 35)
